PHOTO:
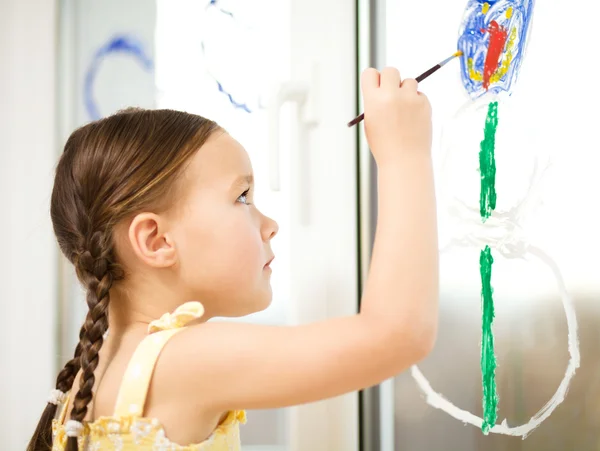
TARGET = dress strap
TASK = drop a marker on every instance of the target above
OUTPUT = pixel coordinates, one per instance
(63, 408)
(136, 380)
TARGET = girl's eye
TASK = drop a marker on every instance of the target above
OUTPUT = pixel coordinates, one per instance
(244, 197)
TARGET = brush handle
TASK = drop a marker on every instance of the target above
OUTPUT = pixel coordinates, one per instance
(356, 120)
(424, 75)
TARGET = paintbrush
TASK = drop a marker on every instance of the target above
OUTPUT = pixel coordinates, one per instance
(419, 79)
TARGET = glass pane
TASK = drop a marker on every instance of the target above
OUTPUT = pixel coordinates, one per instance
(213, 58)
(541, 232)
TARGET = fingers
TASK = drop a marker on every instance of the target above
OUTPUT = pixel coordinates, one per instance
(410, 84)
(370, 79)
(390, 78)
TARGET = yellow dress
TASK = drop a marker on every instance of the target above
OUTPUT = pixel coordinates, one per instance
(127, 429)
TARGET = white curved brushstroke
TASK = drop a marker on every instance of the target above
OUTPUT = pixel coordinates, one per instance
(437, 400)
(503, 232)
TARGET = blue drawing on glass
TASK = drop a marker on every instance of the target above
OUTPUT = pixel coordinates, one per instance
(215, 3)
(123, 44)
(236, 104)
(493, 38)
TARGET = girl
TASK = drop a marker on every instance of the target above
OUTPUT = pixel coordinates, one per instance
(155, 211)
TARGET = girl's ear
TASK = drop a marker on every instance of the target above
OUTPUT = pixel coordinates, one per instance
(150, 242)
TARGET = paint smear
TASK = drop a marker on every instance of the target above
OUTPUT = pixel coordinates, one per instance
(506, 61)
(230, 97)
(441, 402)
(498, 38)
(493, 37)
(215, 3)
(487, 163)
(488, 359)
(120, 44)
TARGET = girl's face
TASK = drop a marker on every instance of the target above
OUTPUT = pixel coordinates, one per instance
(221, 238)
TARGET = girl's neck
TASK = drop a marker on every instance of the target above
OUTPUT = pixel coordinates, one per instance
(132, 310)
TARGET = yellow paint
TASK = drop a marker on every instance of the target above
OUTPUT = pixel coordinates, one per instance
(507, 60)
(509, 12)
(459, 53)
(475, 75)
(485, 8)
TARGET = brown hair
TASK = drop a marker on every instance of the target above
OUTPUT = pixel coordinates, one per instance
(110, 170)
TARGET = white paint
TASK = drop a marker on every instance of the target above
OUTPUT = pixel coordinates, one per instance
(438, 401)
(28, 268)
(503, 232)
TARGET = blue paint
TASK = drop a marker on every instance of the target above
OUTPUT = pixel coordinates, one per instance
(122, 44)
(215, 3)
(474, 40)
(241, 106)
(236, 104)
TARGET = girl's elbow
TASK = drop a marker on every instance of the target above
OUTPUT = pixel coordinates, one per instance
(426, 340)
(423, 338)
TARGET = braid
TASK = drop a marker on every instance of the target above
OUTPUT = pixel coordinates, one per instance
(42, 437)
(65, 378)
(97, 273)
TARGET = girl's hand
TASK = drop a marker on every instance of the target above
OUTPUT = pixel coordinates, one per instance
(397, 116)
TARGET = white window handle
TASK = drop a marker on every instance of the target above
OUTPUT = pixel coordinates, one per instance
(297, 93)
(285, 92)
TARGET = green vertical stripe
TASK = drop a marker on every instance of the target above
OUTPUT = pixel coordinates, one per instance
(487, 203)
(488, 359)
(487, 163)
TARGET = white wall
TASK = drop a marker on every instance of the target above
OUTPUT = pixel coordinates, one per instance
(28, 269)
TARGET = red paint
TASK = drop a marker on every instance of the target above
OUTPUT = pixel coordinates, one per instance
(498, 37)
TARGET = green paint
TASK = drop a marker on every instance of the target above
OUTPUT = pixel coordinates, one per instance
(488, 359)
(487, 163)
